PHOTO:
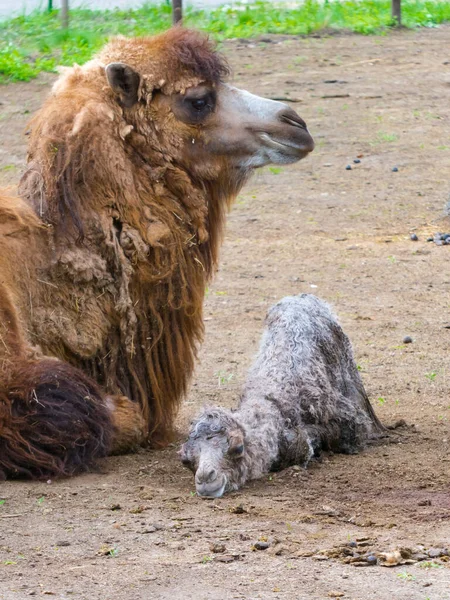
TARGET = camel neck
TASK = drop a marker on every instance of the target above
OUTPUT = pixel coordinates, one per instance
(263, 425)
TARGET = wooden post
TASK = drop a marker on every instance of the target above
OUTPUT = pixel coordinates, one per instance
(65, 13)
(397, 11)
(177, 12)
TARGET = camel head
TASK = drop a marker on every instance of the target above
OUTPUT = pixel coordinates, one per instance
(172, 91)
(154, 116)
(215, 452)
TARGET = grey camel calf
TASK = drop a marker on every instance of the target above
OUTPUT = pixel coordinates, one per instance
(303, 394)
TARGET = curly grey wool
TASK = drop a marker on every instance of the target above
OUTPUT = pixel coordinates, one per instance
(303, 394)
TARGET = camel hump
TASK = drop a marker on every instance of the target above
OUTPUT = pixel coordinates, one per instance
(54, 421)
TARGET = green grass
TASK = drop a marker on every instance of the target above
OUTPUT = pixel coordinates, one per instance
(35, 43)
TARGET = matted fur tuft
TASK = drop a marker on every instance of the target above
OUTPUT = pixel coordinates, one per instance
(53, 421)
(198, 54)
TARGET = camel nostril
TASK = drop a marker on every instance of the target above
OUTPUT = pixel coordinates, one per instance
(290, 117)
(206, 476)
(212, 475)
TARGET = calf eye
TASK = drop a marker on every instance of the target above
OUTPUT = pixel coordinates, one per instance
(237, 450)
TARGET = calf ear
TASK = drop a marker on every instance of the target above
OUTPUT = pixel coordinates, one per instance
(236, 444)
(124, 82)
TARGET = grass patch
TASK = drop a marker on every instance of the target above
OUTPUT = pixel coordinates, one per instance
(34, 43)
(383, 136)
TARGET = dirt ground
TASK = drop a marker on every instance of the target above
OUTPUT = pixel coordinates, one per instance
(136, 531)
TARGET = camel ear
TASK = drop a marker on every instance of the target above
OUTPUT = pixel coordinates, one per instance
(183, 454)
(236, 444)
(124, 82)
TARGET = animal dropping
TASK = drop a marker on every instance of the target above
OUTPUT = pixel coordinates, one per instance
(303, 395)
(114, 239)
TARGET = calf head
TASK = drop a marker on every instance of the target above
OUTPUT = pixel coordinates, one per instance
(215, 453)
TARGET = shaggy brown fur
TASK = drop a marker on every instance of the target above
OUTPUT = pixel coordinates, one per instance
(41, 432)
(105, 259)
(135, 286)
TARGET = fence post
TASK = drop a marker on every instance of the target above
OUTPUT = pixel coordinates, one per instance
(177, 11)
(65, 14)
(397, 11)
(50, 5)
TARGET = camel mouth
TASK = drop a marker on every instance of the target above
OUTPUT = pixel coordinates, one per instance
(212, 490)
(290, 149)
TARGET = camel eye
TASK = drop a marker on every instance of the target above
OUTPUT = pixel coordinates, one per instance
(195, 106)
(199, 104)
(237, 450)
(188, 463)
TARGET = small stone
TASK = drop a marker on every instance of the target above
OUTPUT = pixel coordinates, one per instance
(217, 548)
(225, 558)
(407, 339)
(62, 543)
(238, 510)
(352, 544)
(390, 559)
(371, 559)
(406, 553)
(334, 594)
(278, 549)
(434, 552)
(348, 168)
(261, 545)
(413, 237)
(151, 529)
(395, 169)
(420, 557)
(356, 161)
(424, 503)
(430, 239)
(115, 507)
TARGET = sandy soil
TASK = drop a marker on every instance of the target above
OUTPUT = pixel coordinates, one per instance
(136, 531)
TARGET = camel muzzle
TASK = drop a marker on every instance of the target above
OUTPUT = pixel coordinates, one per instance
(210, 484)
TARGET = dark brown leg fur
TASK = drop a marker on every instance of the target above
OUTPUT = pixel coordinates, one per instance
(53, 420)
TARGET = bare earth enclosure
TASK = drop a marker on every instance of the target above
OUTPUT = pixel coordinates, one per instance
(135, 530)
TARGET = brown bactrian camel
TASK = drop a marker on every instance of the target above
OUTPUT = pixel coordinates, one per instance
(133, 162)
